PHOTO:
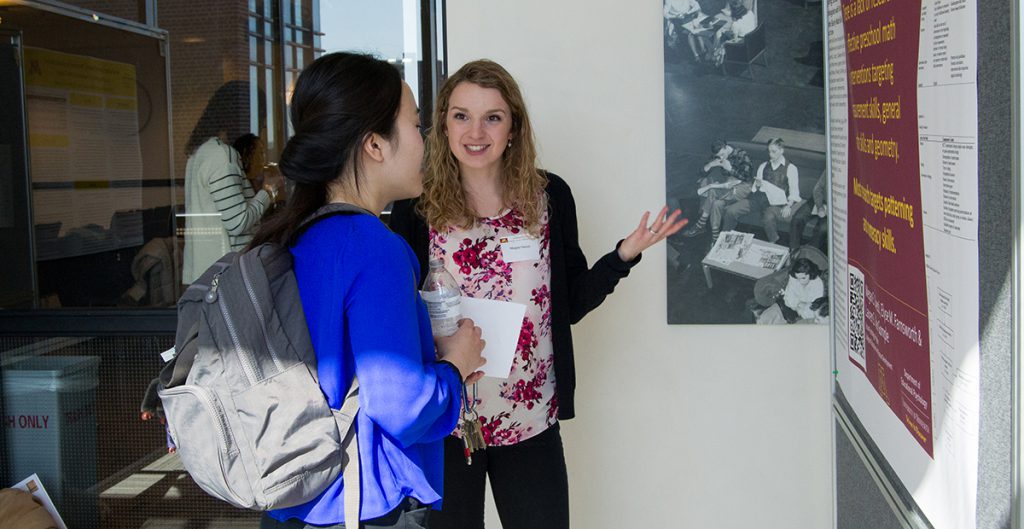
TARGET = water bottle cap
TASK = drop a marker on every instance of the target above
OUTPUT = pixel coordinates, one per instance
(436, 262)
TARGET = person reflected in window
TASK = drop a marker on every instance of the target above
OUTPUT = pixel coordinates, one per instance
(221, 206)
(507, 231)
(252, 153)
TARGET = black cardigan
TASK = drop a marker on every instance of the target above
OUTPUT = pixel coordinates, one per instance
(575, 288)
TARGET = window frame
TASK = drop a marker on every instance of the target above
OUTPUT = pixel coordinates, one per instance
(84, 321)
(145, 321)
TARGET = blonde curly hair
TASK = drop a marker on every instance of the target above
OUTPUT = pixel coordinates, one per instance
(444, 201)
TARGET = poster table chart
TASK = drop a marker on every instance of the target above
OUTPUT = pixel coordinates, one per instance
(741, 269)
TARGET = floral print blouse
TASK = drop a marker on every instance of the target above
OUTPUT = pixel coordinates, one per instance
(525, 404)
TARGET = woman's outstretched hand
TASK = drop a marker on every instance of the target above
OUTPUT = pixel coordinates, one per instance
(644, 236)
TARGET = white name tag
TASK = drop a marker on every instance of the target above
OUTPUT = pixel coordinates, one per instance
(169, 354)
(522, 247)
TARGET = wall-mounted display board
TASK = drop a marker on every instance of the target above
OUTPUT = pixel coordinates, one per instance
(919, 130)
(84, 141)
(97, 160)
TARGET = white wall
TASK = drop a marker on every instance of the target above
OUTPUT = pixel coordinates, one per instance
(687, 426)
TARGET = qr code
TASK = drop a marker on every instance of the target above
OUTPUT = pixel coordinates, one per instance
(856, 324)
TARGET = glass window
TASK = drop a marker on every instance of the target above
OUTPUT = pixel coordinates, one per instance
(101, 119)
(97, 164)
(388, 29)
(109, 131)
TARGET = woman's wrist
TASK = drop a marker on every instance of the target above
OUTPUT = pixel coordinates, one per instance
(453, 366)
(633, 258)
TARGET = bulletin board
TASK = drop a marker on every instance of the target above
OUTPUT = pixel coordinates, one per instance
(923, 179)
(96, 98)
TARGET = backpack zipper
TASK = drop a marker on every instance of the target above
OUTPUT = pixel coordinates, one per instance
(221, 422)
(259, 314)
(251, 373)
(223, 431)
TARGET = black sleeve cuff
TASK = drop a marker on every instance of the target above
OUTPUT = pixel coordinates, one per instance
(451, 365)
(617, 263)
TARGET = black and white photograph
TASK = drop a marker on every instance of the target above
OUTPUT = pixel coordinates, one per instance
(745, 160)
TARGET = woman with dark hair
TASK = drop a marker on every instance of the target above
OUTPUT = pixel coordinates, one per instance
(252, 155)
(507, 231)
(357, 141)
(222, 208)
(794, 303)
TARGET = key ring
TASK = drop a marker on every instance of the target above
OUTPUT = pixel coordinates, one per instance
(469, 406)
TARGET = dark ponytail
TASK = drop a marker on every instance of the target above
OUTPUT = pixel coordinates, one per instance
(339, 99)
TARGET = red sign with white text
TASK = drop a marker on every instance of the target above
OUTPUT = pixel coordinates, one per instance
(885, 240)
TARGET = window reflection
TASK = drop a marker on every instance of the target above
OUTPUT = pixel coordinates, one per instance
(110, 105)
(109, 108)
(94, 184)
(97, 160)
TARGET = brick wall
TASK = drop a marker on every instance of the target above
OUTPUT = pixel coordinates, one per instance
(209, 45)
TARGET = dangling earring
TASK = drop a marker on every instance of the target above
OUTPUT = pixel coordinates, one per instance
(509, 143)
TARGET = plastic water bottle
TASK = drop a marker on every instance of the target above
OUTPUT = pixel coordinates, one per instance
(443, 298)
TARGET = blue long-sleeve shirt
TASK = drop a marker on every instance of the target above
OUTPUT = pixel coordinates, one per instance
(358, 285)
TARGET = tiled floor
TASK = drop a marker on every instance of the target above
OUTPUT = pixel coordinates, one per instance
(104, 467)
(160, 495)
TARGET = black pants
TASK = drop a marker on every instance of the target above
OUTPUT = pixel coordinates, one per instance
(799, 220)
(528, 480)
(410, 514)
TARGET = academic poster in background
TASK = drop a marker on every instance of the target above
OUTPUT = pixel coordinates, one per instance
(83, 132)
(903, 143)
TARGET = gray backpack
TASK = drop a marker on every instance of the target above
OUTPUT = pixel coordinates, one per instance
(241, 396)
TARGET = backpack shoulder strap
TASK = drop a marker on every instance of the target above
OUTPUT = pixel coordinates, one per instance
(334, 208)
(346, 418)
(327, 210)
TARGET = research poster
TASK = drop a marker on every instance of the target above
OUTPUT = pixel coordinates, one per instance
(86, 160)
(903, 145)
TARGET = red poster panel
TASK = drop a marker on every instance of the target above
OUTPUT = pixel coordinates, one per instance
(885, 239)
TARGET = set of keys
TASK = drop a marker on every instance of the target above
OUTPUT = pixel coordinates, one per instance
(469, 426)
